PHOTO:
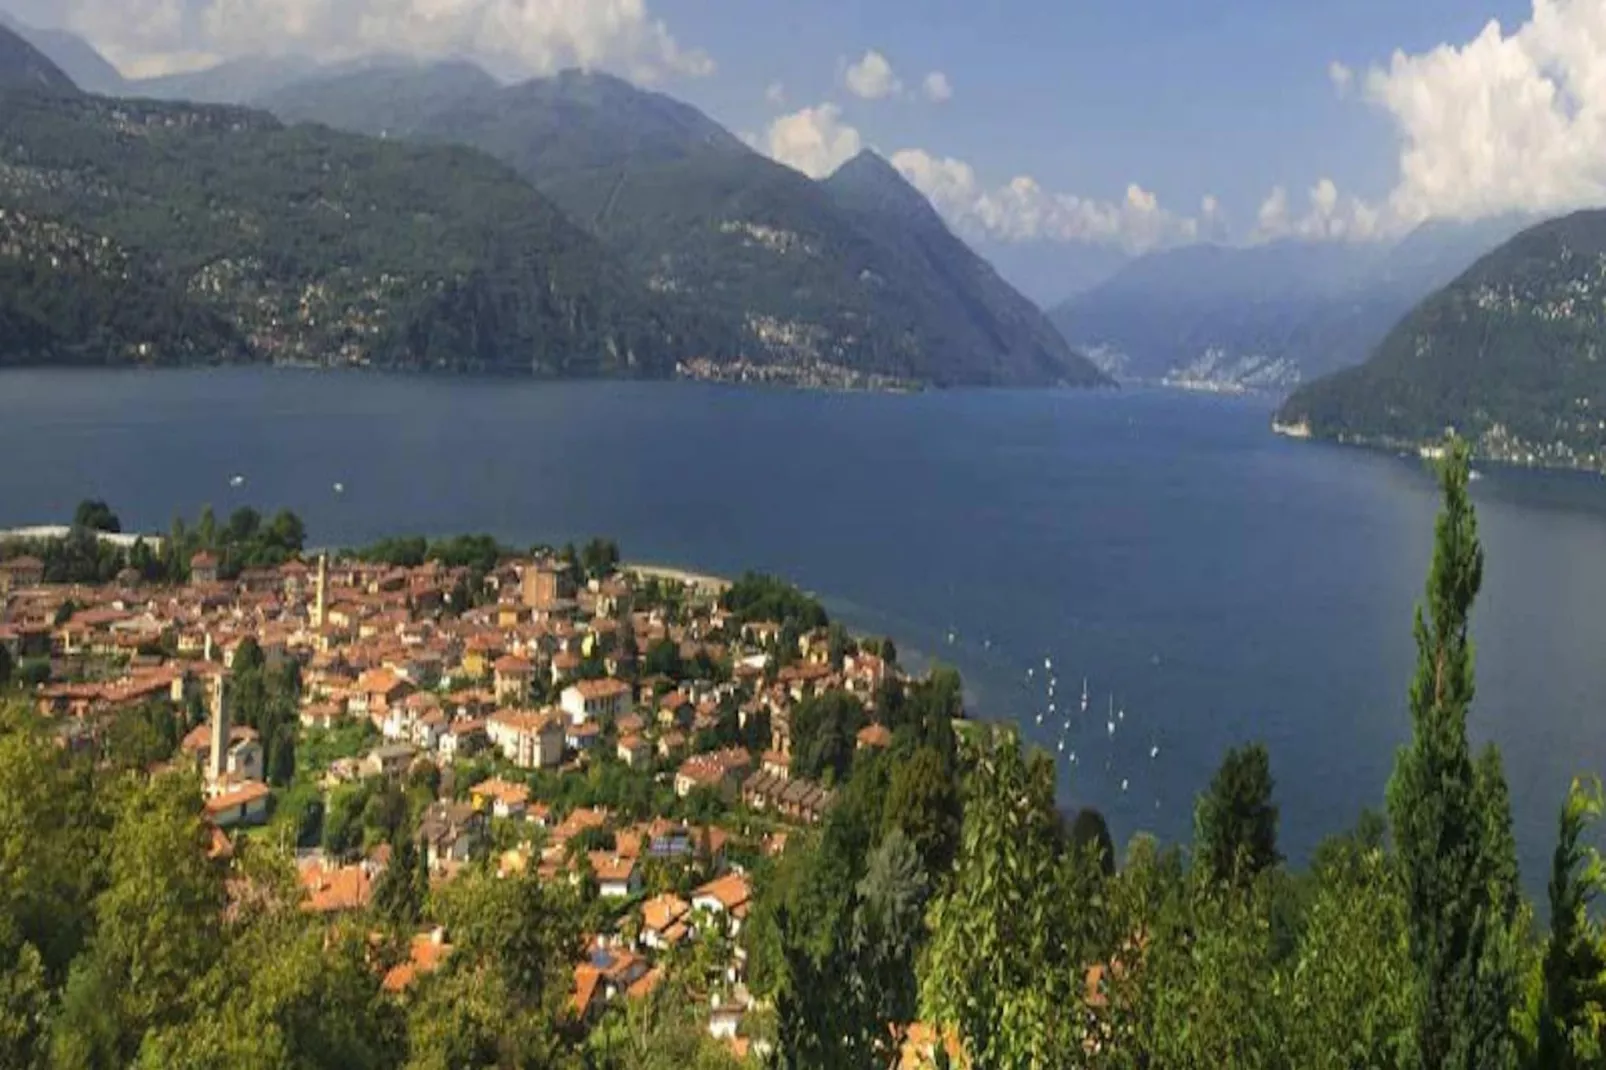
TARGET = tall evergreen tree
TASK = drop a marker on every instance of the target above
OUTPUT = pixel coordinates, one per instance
(1572, 1011)
(1235, 822)
(1451, 819)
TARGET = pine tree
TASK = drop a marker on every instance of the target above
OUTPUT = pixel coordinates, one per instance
(1451, 818)
(1572, 1012)
(1235, 822)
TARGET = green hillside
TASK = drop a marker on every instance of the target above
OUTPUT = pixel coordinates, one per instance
(167, 233)
(1510, 354)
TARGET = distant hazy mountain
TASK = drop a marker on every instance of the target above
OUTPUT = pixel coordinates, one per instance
(237, 81)
(1053, 272)
(24, 67)
(75, 56)
(1269, 316)
(802, 270)
(389, 99)
(1512, 354)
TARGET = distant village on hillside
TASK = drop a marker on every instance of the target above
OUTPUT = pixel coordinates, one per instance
(633, 731)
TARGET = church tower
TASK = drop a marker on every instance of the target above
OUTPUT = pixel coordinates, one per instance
(320, 598)
(219, 763)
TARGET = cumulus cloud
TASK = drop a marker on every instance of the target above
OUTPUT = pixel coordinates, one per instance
(813, 140)
(872, 77)
(1022, 210)
(775, 94)
(536, 36)
(937, 88)
(1341, 77)
(1505, 122)
(1327, 216)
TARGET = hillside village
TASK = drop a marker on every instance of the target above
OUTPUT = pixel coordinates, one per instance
(629, 734)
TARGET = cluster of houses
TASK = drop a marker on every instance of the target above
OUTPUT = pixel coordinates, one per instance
(540, 676)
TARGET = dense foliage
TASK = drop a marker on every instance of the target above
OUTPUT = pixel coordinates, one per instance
(797, 270)
(1508, 354)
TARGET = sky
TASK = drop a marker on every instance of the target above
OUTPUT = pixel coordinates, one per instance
(1124, 125)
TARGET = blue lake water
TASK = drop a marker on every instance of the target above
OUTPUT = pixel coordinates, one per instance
(1223, 585)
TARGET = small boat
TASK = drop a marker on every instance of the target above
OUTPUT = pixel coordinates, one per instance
(237, 481)
(1123, 784)
(1474, 475)
(1084, 694)
(1154, 752)
(1039, 718)
(1048, 663)
(1062, 746)
(1111, 727)
(340, 488)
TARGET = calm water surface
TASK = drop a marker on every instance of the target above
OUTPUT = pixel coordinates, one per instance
(1216, 583)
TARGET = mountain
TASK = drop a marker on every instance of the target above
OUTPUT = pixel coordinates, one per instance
(1268, 316)
(795, 268)
(1052, 272)
(24, 67)
(387, 100)
(75, 57)
(235, 81)
(1512, 354)
(899, 218)
(152, 232)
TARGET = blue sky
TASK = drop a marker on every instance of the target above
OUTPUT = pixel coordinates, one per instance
(1184, 97)
(1091, 125)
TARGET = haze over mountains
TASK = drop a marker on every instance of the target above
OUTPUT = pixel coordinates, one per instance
(1265, 316)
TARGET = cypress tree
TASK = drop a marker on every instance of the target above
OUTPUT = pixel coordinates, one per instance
(1451, 817)
(1572, 1012)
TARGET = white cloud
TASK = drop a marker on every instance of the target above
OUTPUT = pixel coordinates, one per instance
(1505, 122)
(1341, 77)
(775, 94)
(813, 140)
(1022, 210)
(1329, 216)
(937, 88)
(536, 36)
(872, 77)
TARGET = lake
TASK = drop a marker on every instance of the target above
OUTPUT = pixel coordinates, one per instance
(1212, 581)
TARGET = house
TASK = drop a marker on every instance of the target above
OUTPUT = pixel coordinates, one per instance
(618, 877)
(877, 736)
(377, 690)
(20, 572)
(501, 797)
(726, 1014)
(663, 923)
(391, 760)
(727, 896)
(424, 955)
(462, 738)
(514, 679)
(242, 758)
(450, 832)
(722, 770)
(592, 700)
(581, 738)
(529, 740)
(334, 889)
(204, 568)
(243, 802)
(634, 751)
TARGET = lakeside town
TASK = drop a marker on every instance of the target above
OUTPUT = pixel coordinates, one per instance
(646, 738)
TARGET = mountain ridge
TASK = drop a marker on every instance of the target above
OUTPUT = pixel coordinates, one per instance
(786, 262)
(181, 233)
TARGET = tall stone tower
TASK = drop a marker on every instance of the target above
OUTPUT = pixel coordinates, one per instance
(219, 762)
(320, 598)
